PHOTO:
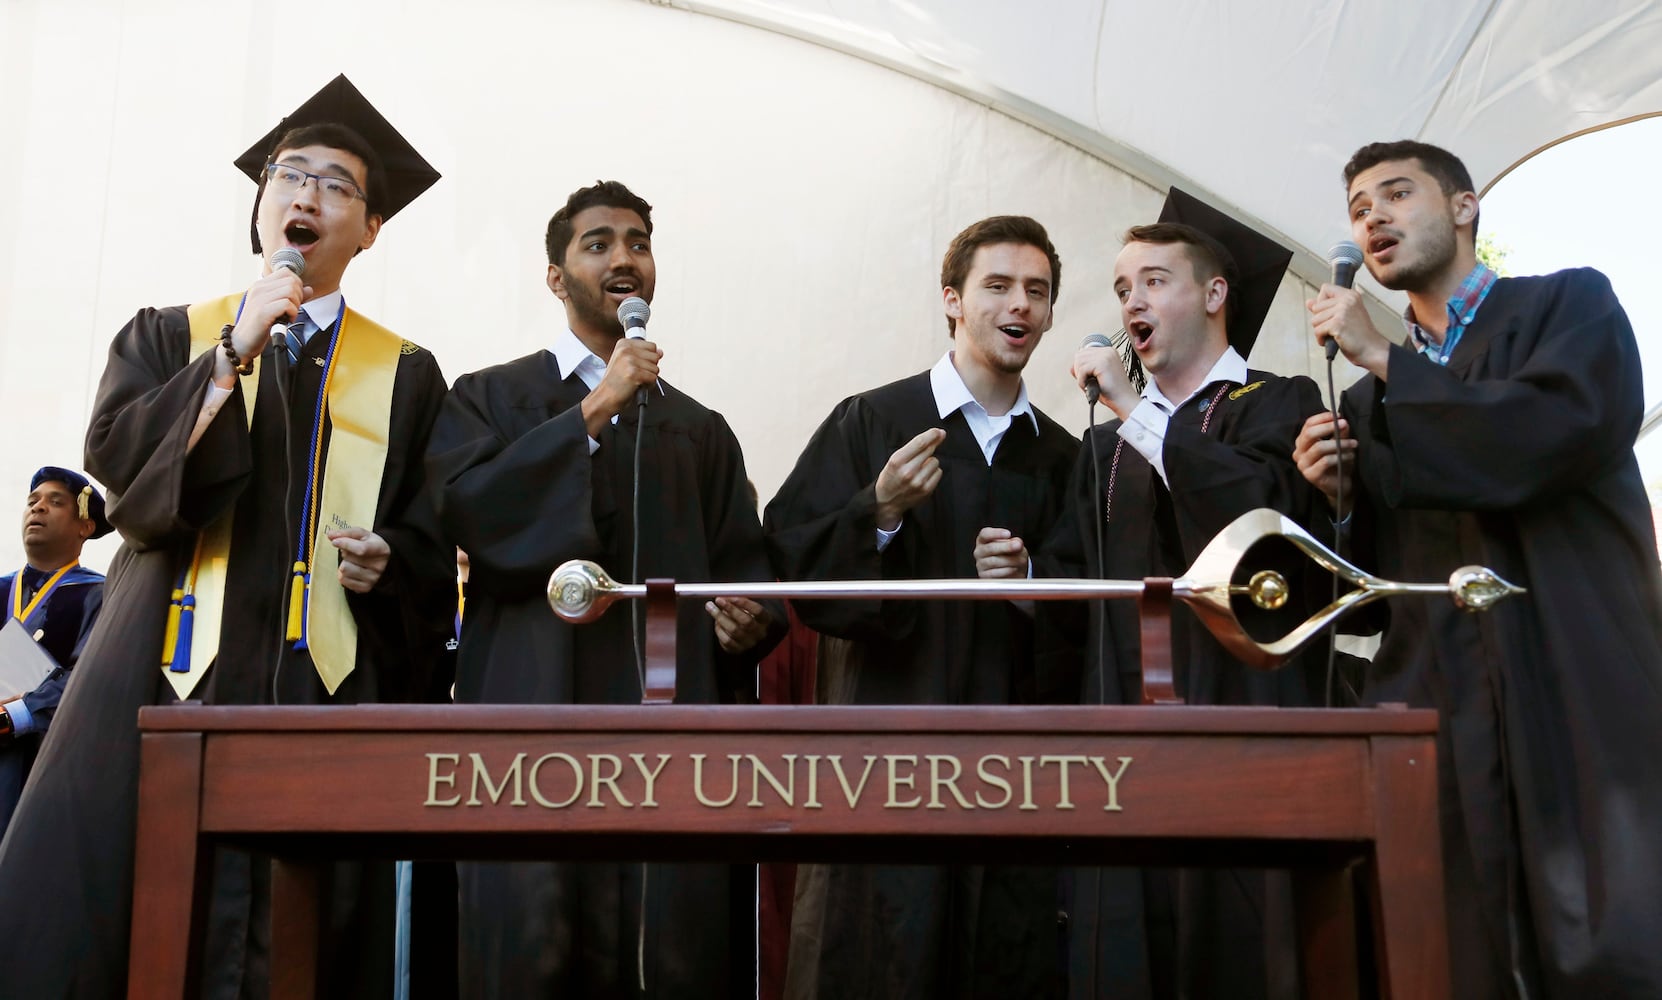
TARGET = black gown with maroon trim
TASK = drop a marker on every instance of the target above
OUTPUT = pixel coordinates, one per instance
(1227, 450)
(913, 931)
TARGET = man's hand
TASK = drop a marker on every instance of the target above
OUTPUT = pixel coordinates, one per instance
(1338, 313)
(275, 298)
(1000, 555)
(634, 364)
(740, 622)
(909, 476)
(1104, 364)
(1317, 455)
(363, 558)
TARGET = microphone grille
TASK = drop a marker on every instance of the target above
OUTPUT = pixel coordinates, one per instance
(288, 258)
(633, 311)
(1345, 252)
(1096, 340)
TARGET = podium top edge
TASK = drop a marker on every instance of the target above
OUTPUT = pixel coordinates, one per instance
(1044, 720)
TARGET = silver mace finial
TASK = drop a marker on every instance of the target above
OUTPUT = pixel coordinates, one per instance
(580, 591)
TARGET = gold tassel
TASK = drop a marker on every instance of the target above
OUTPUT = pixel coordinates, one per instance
(170, 638)
(297, 601)
(82, 502)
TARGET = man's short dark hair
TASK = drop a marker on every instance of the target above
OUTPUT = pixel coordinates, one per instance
(1209, 258)
(1451, 174)
(1017, 229)
(610, 194)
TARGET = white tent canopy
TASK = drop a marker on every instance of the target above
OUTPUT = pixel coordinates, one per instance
(803, 197)
(1259, 106)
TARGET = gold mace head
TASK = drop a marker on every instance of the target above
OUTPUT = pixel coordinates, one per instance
(580, 590)
(1268, 589)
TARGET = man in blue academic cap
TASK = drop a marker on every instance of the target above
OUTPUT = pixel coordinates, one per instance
(55, 600)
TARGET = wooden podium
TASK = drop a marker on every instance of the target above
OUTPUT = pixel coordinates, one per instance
(1311, 790)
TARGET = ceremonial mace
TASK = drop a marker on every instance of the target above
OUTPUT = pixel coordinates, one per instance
(580, 591)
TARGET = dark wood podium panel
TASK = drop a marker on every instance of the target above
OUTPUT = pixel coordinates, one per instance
(1314, 791)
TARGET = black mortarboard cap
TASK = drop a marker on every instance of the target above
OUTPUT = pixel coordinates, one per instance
(407, 173)
(1259, 262)
(89, 502)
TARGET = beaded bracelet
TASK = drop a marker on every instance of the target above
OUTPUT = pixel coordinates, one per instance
(240, 366)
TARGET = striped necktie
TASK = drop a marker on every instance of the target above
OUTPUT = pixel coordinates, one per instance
(296, 338)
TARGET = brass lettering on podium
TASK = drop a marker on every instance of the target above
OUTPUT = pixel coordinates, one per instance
(576, 780)
(434, 778)
(895, 781)
(988, 778)
(481, 776)
(939, 782)
(1113, 781)
(698, 782)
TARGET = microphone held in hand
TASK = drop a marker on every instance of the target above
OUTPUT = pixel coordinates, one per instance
(286, 259)
(1093, 392)
(1345, 257)
(633, 312)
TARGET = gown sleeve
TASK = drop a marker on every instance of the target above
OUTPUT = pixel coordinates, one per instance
(147, 404)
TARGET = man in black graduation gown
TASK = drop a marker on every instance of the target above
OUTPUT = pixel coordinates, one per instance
(534, 463)
(1502, 434)
(932, 476)
(221, 483)
(1204, 440)
(56, 600)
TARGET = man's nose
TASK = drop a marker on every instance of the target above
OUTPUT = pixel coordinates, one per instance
(308, 194)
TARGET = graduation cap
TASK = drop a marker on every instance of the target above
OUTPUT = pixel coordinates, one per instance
(89, 503)
(340, 103)
(1259, 262)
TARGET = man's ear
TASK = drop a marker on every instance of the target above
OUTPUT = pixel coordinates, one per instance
(372, 229)
(557, 282)
(1217, 292)
(1464, 205)
(953, 303)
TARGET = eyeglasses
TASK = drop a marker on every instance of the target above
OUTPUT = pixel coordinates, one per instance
(337, 191)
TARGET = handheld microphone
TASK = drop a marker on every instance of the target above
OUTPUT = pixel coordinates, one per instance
(286, 259)
(1093, 392)
(633, 312)
(1345, 257)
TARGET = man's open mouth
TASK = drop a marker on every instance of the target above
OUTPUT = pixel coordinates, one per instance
(1141, 334)
(300, 234)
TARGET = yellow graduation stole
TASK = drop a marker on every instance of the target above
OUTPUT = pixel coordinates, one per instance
(358, 400)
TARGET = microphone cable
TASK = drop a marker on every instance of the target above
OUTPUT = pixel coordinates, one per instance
(1100, 604)
(1338, 527)
(640, 658)
(635, 544)
(292, 260)
(1345, 258)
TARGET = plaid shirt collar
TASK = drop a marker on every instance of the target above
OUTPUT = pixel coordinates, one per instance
(1462, 309)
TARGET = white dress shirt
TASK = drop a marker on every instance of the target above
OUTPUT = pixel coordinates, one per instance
(951, 396)
(1145, 427)
(321, 313)
(574, 358)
